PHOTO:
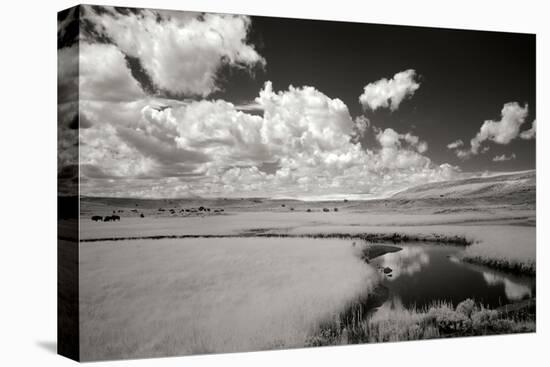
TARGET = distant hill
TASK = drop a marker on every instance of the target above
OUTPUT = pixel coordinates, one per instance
(501, 185)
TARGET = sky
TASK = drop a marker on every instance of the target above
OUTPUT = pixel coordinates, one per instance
(180, 104)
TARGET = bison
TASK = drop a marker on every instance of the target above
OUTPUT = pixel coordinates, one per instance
(97, 218)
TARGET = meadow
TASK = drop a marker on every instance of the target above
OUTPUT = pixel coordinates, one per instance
(268, 274)
(170, 297)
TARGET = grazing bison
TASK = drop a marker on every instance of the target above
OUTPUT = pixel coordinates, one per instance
(97, 218)
(141, 215)
(115, 217)
(326, 210)
(108, 218)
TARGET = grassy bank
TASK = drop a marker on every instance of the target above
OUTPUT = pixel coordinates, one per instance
(265, 233)
(490, 257)
(507, 265)
(438, 320)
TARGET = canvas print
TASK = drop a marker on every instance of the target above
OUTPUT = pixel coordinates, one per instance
(233, 183)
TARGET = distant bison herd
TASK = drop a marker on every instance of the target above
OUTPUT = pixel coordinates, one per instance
(184, 211)
(108, 218)
(173, 211)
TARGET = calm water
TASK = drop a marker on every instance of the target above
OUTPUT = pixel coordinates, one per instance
(422, 273)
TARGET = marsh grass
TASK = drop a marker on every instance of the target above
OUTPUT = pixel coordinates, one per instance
(394, 237)
(503, 264)
(440, 319)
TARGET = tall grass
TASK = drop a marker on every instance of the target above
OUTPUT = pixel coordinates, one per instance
(526, 267)
(393, 237)
(174, 297)
(393, 322)
(511, 250)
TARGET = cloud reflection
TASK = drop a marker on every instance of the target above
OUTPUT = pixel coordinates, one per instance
(408, 261)
(514, 291)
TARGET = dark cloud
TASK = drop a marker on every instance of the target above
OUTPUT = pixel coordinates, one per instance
(93, 171)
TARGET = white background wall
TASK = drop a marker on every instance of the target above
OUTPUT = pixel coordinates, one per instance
(28, 181)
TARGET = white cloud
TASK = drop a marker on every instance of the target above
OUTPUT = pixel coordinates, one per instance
(531, 133)
(390, 93)
(360, 128)
(504, 130)
(212, 148)
(455, 144)
(104, 75)
(401, 151)
(181, 51)
(504, 158)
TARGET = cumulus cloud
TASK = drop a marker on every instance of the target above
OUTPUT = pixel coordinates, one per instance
(504, 157)
(104, 75)
(531, 133)
(361, 126)
(181, 52)
(513, 116)
(504, 130)
(212, 148)
(401, 151)
(455, 144)
(390, 93)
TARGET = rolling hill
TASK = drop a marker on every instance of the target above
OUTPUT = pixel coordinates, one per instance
(500, 185)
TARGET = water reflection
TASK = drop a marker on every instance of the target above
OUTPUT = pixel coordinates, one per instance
(423, 273)
(514, 291)
(408, 261)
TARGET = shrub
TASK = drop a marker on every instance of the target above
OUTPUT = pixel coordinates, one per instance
(447, 319)
(466, 307)
(483, 318)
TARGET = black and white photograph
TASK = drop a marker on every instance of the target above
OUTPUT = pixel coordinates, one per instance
(234, 183)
